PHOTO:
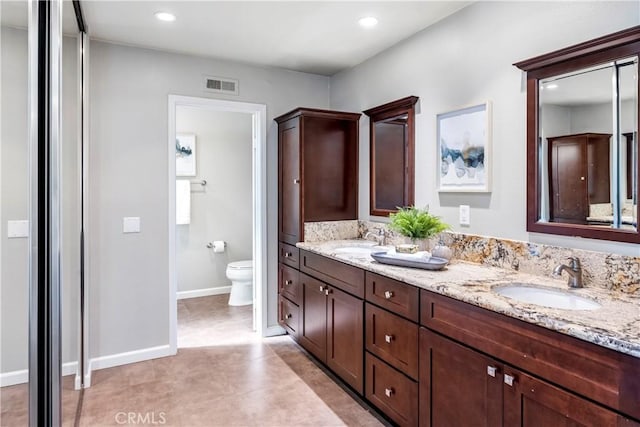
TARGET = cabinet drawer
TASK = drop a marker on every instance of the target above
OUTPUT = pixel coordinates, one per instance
(289, 283)
(395, 296)
(289, 255)
(392, 392)
(346, 277)
(393, 339)
(288, 316)
(600, 374)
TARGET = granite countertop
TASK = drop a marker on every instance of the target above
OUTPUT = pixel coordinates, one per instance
(616, 325)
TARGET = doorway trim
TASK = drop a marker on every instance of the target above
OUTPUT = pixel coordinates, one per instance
(259, 186)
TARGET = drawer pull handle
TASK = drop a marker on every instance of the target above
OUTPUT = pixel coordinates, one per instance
(491, 371)
(388, 294)
(296, 181)
(287, 254)
(509, 380)
(288, 282)
(288, 316)
(388, 338)
(389, 392)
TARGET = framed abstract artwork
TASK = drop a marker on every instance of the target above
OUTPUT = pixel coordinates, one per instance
(185, 155)
(464, 149)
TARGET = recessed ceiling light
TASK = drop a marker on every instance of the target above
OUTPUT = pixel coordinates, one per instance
(165, 16)
(368, 22)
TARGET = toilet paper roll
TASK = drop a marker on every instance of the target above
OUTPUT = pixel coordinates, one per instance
(218, 246)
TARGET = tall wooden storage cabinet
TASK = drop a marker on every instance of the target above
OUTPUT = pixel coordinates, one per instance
(317, 169)
(317, 181)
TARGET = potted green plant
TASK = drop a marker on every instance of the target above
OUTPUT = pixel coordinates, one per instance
(416, 223)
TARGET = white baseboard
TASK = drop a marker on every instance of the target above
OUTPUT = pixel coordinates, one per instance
(22, 376)
(273, 331)
(112, 360)
(203, 292)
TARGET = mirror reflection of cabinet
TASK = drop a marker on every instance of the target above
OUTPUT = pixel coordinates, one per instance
(578, 176)
(391, 155)
(582, 124)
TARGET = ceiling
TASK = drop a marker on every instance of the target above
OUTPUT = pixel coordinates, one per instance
(321, 37)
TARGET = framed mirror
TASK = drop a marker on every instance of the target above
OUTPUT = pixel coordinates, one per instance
(391, 158)
(582, 139)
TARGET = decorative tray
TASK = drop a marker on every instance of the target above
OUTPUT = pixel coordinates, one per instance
(433, 263)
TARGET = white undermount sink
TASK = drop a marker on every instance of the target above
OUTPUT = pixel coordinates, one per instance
(354, 250)
(546, 297)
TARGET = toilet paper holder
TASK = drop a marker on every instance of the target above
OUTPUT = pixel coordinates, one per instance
(210, 245)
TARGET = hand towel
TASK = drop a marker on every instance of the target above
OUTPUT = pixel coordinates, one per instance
(183, 201)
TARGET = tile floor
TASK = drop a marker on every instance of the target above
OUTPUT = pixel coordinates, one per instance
(223, 375)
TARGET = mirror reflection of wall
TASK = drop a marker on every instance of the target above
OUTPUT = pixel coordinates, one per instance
(586, 127)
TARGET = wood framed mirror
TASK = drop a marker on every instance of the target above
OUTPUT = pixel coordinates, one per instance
(582, 139)
(391, 155)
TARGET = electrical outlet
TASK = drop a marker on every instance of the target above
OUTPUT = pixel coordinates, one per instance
(465, 215)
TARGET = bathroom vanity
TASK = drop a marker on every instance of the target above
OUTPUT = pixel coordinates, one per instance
(435, 348)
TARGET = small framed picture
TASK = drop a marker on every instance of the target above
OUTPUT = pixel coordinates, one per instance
(464, 149)
(185, 155)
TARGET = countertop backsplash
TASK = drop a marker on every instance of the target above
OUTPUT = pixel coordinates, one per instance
(618, 273)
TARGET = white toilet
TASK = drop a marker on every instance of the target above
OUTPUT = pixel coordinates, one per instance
(241, 275)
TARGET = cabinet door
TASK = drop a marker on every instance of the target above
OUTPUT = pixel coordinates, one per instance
(312, 334)
(458, 386)
(289, 180)
(345, 337)
(530, 402)
(568, 180)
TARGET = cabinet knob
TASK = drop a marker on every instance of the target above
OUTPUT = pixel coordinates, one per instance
(388, 338)
(322, 288)
(288, 282)
(509, 380)
(491, 371)
(287, 254)
(288, 316)
(296, 181)
(388, 294)
(328, 291)
(389, 392)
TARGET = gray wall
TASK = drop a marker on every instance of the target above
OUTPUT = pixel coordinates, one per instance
(223, 209)
(128, 166)
(463, 60)
(14, 286)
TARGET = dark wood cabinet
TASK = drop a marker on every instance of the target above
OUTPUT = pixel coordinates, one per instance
(530, 402)
(332, 329)
(391, 392)
(317, 169)
(313, 331)
(461, 365)
(458, 386)
(578, 175)
(345, 327)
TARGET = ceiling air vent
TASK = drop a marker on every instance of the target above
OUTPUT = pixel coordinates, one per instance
(221, 85)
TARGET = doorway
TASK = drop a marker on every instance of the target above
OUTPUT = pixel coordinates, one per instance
(257, 112)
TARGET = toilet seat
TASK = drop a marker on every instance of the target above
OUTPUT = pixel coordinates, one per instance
(241, 265)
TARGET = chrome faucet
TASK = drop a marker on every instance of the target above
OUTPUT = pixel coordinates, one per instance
(379, 237)
(574, 269)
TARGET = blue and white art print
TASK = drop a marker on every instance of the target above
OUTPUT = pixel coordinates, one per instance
(464, 141)
(185, 155)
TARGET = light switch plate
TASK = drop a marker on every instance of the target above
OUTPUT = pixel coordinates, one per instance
(17, 229)
(131, 224)
(465, 215)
